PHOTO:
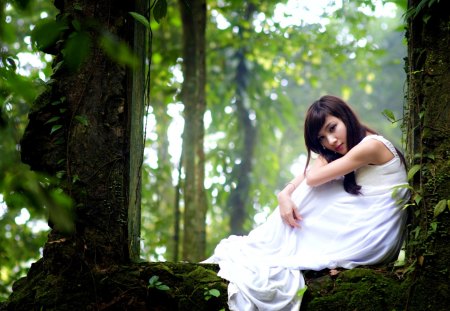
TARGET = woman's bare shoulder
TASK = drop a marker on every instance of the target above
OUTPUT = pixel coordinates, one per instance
(375, 149)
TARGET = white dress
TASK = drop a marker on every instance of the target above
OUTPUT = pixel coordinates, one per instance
(338, 230)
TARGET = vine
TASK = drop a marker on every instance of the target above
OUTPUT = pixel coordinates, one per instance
(413, 12)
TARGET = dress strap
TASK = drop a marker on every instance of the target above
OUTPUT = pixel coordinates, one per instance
(386, 142)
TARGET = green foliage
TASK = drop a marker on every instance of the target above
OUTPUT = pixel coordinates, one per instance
(389, 114)
(77, 49)
(210, 293)
(413, 170)
(440, 207)
(141, 19)
(154, 282)
(27, 199)
(47, 32)
(118, 50)
(160, 10)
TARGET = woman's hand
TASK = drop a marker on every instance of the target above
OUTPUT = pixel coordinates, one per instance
(288, 210)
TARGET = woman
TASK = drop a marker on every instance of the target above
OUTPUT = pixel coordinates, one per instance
(340, 212)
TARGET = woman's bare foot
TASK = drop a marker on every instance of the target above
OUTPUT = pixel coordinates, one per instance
(334, 272)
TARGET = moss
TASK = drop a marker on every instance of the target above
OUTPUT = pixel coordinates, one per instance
(188, 284)
(357, 289)
(126, 287)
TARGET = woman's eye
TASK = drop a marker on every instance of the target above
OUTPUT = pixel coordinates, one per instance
(320, 138)
(332, 128)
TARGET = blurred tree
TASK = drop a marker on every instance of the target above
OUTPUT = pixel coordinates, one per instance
(240, 177)
(160, 193)
(193, 16)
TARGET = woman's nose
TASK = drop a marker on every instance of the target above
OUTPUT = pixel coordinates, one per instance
(331, 139)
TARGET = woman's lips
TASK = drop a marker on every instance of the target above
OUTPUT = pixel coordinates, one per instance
(340, 148)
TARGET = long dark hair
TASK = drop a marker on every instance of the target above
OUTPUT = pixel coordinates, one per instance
(315, 119)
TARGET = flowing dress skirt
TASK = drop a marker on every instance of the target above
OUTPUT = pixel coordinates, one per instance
(338, 230)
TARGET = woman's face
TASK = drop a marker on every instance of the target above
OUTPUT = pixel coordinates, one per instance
(333, 135)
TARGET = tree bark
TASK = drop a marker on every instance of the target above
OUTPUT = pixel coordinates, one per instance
(93, 156)
(136, 99)
(97, 154)
(428, 119)
(193, 97)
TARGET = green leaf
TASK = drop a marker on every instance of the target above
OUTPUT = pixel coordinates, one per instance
(154, 283)
(78, 7)
(301, 291)
(160, 10)
(77, 49)
(426, 18)
(140, 18)
(76, 24)
(162, 287)
(214, 292)
(118, 51)
(82, 119)
(430, 156)
(60, 211)
(413, 170)
(440, 207)
(55, 128)
(417, 198)
(153, 280)
(389, 115)
(52, 120)
(46, 33)
(433, 226)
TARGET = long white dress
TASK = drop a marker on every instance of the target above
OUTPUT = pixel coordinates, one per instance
(338, 230)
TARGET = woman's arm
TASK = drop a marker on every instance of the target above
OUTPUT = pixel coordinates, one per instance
(370, 151)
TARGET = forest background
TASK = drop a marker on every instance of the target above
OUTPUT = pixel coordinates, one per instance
(265, 65)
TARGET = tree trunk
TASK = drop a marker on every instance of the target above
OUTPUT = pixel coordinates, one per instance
(428, 146)
(238, 199)
(136, 99)
(100, 117)
(193, 17)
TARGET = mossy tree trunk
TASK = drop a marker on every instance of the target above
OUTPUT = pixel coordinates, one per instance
(428, 124)
(99, 108)
(193, 16)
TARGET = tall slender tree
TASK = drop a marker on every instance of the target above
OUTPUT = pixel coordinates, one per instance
(193, 16)
(238, 199)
